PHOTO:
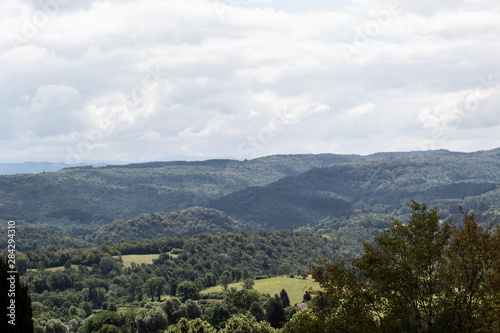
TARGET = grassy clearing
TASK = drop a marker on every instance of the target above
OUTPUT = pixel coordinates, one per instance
(295, 288)
(127, 261)
(138, 259)
(53, 269)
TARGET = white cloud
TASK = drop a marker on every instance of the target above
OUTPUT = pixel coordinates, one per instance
(149, 79)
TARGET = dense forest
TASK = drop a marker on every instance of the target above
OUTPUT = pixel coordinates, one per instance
(141, 247)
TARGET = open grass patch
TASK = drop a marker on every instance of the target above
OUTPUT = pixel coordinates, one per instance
(295, 288)
(137, 258)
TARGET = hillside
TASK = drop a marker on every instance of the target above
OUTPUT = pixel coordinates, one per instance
(190, 221)
(379, 186)
(87, 198)
(280, 191)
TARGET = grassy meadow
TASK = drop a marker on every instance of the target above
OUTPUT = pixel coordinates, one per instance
(294, 287)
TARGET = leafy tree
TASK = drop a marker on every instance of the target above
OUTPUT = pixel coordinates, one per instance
(257, 311)
(285, 269)
(246, 273)
(107, 264)
(109, 329)
(241, 299)
(472, 256)
(290, 311)
(248, 283)
(95, 322)
(306, 321)
(217, 314)
(112, 307)
(236, 274)
(173, 286)
(55, 326)
(210, 280)
(193, 326)
(73, 311)
(173, 309)
(154, 287)
(275, 312)
(150, 320)
(248, 324)
(404, 265)
(284, 298)
(419, 276)
(187, 290)
(87, 307)
(225, 280)
(191, 309)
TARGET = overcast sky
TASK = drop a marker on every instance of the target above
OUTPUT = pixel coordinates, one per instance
(147, 80)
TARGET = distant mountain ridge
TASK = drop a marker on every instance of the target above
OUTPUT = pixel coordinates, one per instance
(278, 191)
(376, 186)
(89, 197)
(40, 167)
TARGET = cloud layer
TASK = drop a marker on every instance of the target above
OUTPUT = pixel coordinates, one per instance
(145, 80)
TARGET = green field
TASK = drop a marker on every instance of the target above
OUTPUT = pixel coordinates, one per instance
(295, 288)
(53, 269)
(138, 259)
(126, 259)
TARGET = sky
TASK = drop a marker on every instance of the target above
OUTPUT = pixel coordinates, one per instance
(148, 80)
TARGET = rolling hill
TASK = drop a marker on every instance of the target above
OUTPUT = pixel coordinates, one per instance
(189, 221)
(377, 186)
(87, 197)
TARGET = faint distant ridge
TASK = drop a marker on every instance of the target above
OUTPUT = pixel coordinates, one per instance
(160, 164)
(39, 167)
(30, 167)
(413, 154)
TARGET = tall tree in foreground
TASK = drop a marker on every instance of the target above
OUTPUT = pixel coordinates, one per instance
(15, 302)
(421, 276)
(473, 278)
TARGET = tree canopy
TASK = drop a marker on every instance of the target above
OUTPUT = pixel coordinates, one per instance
(425, 275)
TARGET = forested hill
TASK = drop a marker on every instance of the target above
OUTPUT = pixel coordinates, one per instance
(87, 197)
(379, 186)
(81, 200)
(190, 221)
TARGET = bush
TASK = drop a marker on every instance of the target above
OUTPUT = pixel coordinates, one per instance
(95, 322)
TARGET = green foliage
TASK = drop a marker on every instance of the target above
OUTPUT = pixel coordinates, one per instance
(193, 326)
(154, 287)
(87, 307)
(374, 186)
(285, 269)
(112, 307)
(217, 315)
(248, 283)
(117, 192)
(419, 276)
(284, 298)
(187, 290)
(178, 223)
(257, 311)
(173, 309)
(241, 299)
(246, 324)
(225, 280)
(191, 309)
(151, 320)
(96, 322)
(275, 312)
